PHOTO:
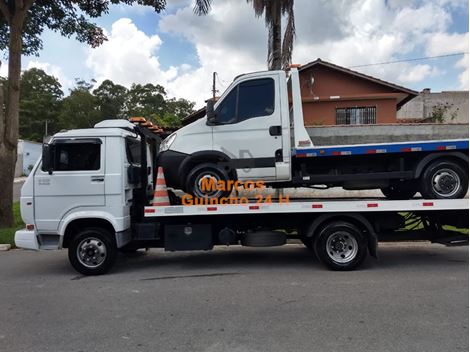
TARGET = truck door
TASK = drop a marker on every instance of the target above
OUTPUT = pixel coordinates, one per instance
(248, 127)
(77, 181)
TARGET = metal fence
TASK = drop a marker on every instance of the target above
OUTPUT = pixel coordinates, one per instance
(356, 116)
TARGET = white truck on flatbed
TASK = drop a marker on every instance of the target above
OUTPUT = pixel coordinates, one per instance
(256, 132)
(92, 193)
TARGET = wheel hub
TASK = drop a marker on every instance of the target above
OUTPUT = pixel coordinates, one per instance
(341, 247)
(91, 252)
(446, 182)
(202, 184)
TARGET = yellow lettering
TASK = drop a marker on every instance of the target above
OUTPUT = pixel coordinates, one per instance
(208, 184)
(260, 184)
(187, 199)
(283, 200)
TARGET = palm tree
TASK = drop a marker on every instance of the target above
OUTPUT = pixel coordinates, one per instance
(279, 50)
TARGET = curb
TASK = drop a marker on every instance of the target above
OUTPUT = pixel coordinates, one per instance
(5, 247)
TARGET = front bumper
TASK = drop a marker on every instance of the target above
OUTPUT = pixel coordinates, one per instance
(171, 162)
(26, 239)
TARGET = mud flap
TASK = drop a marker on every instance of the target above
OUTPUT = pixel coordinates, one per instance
(372, 244)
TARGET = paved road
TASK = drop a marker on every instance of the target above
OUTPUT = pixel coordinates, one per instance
(414, 298)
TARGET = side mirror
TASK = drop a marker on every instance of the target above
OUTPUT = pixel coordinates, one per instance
(211, 115)
(47, 158)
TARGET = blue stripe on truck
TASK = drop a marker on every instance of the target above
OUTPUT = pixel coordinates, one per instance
(383, 148)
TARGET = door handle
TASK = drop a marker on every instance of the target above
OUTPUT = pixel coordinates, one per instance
(275, 130)
(97, 179)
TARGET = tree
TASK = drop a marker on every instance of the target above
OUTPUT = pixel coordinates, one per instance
(279, 50)
(21, 24)
(145, 100)
(174, 112)
(80, 109)
(39, 104)
(111, 99)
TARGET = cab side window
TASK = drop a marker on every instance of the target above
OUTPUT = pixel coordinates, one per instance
(77, 157)
(247, 100)
(255, 99)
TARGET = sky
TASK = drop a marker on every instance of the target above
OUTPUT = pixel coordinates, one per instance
(180, 50)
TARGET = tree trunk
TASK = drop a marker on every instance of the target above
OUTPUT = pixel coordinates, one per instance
(9, 138)
(276, 49)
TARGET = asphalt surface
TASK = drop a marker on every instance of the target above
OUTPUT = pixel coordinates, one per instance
(414, 298)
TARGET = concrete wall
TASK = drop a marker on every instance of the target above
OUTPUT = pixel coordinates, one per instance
(362, 134)
(28, 153)
(421, 107)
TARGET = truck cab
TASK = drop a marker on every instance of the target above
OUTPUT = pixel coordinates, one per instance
(86, 177)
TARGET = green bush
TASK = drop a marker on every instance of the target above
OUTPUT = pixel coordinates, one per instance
(7, 235)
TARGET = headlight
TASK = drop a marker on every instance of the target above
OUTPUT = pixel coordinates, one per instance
(167, 142)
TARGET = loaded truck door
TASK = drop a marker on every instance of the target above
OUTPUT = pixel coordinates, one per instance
(75, 181)
(248, 127)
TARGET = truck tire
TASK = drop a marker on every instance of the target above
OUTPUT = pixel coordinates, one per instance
(340, 245)
(444, 179)
(307, 241)
(194, 181)
(399, 192)
(92, 251)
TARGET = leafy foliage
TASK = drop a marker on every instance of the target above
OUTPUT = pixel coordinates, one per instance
(42, 100)
(67, 17)
(441, 111)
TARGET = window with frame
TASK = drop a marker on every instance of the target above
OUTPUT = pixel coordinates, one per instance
(77, 156)
(133, 151)
(365, 115)
(249, 99)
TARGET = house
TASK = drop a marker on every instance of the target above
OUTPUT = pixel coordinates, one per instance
(447, 106)
(28, 153)
(334, 95)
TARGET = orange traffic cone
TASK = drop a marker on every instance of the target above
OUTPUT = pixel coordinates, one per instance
(160, 197)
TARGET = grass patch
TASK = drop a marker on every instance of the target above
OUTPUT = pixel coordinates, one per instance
(7, 235)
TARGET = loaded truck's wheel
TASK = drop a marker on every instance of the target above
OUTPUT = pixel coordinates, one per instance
(92, 251)
(399, 191)
(202, 179)
(340, 245)
(444, 179)
(307, 241)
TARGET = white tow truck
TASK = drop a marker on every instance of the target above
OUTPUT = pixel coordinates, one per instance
(92, 193)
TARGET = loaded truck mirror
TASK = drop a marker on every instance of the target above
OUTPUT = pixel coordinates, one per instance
(211, 116)
(47, 158)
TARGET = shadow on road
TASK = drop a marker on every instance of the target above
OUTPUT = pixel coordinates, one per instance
(241, 259)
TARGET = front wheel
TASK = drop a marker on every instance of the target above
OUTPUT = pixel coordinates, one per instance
(92, 251)
(209, 181)
(340, 245)
(444, 179)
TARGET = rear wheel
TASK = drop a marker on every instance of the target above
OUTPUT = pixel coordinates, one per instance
(340, 245)
(444, 179)
(92, 251)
